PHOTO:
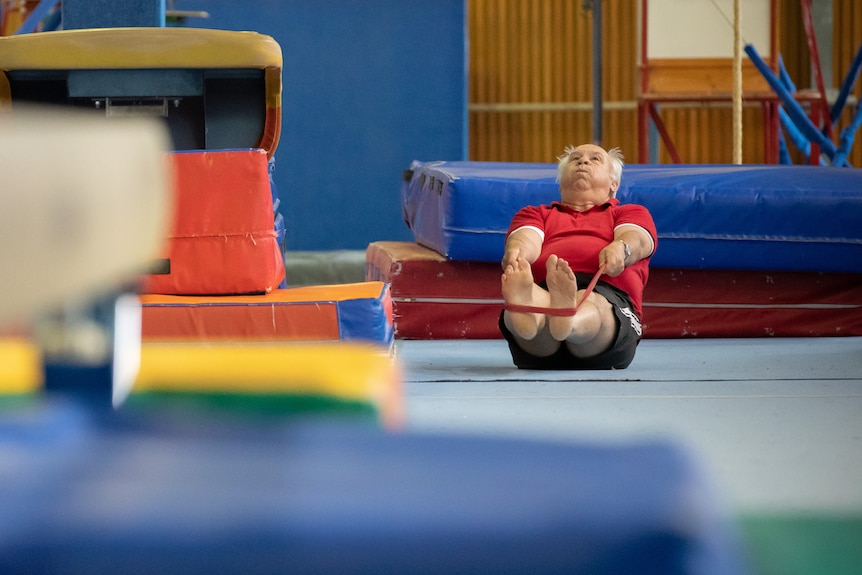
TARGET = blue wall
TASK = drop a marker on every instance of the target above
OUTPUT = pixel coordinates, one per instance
(112, 13)
(369, 86)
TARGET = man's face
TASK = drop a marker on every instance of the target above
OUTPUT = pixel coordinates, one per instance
(589, 168)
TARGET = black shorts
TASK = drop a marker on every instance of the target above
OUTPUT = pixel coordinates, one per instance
(620, 354)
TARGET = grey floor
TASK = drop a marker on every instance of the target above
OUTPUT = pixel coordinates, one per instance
(776, 423)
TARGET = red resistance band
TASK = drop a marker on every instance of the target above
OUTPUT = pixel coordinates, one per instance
(557, 311)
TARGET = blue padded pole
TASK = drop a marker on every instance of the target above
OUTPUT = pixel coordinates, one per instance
(801, 143)
(785, 76)
(848, 134)
(783, 152)
(852, 75)
(794, 110)
(79, 14)
(32, 21)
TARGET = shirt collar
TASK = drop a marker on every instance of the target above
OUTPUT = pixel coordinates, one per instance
(562, 207)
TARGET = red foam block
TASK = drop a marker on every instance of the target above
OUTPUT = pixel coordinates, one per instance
(222, 239)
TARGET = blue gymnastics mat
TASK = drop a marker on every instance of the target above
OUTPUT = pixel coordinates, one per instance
(760, 217)
(86, 492)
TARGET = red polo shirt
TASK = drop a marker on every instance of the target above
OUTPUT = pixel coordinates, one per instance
(578, 237)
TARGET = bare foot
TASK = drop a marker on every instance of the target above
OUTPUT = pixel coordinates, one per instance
(563, 289)
(517, 286)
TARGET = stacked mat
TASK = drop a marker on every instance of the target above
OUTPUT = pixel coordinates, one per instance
(219, 329)
(359, 311)
(224, 270)
(744, 251)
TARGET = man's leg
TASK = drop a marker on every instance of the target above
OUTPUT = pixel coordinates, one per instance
(593, 328)
(530, 329)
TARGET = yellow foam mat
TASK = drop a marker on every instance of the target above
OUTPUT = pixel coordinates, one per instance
(20, 366)
(338, 371)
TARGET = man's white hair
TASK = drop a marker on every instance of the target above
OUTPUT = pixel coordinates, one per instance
(616, 168)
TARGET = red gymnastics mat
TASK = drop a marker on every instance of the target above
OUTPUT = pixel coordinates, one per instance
(223, 239)
(436, 298)
(359, 311)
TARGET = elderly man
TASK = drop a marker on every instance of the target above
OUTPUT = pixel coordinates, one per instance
(553, 251)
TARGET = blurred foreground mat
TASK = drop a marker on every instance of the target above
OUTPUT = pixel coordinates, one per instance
(196, 494)
(84, 205)
(20, 367)
(276, 378)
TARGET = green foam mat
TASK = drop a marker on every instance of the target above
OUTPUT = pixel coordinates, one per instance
(803, 544)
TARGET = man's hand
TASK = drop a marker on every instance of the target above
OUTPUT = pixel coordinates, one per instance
(613, 257)
(510, 256)
(524, 243)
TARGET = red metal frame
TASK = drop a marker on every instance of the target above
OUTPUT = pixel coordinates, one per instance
(648, 109)
(814, 54)
(816, 100)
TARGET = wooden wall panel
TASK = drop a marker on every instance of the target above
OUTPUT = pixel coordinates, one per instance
(792, 45)
(704, 134)
(531, 81)
(531, 77)
(847, 30)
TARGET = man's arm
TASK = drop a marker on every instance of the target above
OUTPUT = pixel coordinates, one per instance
(639, 243)
(523, 243)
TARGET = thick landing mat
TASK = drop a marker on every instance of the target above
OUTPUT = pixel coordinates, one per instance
(435, 298)
(180, 492)
(790, 218)
(358, 311)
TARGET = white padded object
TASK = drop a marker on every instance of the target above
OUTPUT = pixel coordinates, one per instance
(84, 205)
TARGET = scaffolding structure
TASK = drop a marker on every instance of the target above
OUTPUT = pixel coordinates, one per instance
(681, 81)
